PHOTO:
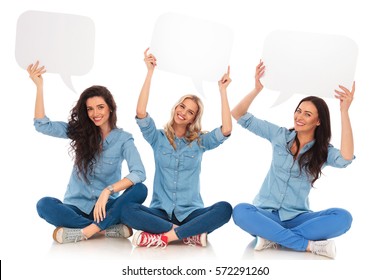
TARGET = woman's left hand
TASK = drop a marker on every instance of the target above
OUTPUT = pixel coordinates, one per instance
(99, 212)
(225, 80)
(260, 70)
(345, 96)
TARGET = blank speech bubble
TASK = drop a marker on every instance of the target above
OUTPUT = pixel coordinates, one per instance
(192, 47)
(63, 43)
(308, 63)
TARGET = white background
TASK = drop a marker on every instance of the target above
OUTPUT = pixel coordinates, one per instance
(34, 165)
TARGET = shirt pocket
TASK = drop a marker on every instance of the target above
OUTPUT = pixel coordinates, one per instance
(107, 165)
(282, 158)
(191, 160)
(165, 157)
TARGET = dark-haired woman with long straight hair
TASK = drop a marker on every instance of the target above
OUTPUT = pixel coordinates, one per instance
(280, 213)
(92, 202)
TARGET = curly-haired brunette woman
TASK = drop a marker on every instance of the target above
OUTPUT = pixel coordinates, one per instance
(92, 202)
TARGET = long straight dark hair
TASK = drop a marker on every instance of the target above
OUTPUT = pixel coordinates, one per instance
(313, 159)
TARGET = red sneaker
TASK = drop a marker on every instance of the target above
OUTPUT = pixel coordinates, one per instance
(200, 240)
(145, 239)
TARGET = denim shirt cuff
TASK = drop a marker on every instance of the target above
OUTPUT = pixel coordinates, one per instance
(342, 162)
(244, 118)
(144, 122)
(219, 135)
(134, 178)
(43, 120)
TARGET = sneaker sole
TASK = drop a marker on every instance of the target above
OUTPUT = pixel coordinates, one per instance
(259, 244)
(127, 232)
(203, 240)
(135, 238)
(57, 235)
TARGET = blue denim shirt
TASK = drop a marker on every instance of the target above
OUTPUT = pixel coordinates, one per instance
(285, 188)
(118, 146)
(176, 186)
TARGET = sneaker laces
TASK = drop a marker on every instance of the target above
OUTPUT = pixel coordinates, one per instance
(80, 238)
(324, 248)
(270, 244)
(73, 235)
(152, 240)
(192, 240)
(115, 231)
(263, 243)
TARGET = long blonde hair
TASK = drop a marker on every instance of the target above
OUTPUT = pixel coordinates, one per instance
(194, 129)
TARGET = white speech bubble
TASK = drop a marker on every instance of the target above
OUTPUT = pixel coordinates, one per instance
(308, 63)
(192, 47)
(63, 43)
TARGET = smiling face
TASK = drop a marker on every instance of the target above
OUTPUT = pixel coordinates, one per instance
(98, 111)
(306, 118)
(185, 112)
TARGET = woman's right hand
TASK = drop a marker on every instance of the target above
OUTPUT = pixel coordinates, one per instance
(150, 60)
(35, 71)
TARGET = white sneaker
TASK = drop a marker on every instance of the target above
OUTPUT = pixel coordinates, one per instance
(262, 243)
(325, 248)
(118, 231)
(68, 235)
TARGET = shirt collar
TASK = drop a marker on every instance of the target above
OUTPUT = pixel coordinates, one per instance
(291, 137)
(111, 136)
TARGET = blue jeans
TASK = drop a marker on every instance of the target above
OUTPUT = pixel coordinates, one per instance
(65, 215)
(295, 233)
(155, 220)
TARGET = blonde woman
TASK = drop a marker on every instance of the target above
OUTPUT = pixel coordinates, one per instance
(177, 211)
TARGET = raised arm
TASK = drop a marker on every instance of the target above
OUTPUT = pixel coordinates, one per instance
(226, 116)
(346, 96)
(243, 106)
(35, 71)
(143, 98)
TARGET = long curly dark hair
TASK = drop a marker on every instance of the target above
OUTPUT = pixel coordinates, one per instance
(84, 134)
(312, 160)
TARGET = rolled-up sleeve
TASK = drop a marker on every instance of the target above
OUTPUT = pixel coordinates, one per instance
(148, 129)
(245, 120)
(47, 127)
(260, 127)
(213, 139)
(335, 159)
(134, 163)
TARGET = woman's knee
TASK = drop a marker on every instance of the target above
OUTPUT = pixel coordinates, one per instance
(225, 209)
(240, 211)
(45, 204)
(140, 191)
(345, 217)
